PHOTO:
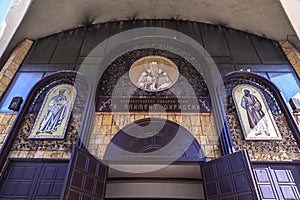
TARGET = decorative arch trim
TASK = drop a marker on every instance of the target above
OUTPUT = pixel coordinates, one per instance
(27, 107)
(275, 92)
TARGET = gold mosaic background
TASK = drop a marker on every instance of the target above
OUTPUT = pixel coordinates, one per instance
(285, 149)
(201, 125)
(24, 147)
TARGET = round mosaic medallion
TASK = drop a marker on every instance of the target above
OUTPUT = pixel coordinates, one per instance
(153, 73)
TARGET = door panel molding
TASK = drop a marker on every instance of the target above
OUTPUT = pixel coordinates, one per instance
(230, 177)
(86, 177)
(33, 179)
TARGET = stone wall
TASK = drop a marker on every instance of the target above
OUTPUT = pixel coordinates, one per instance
(12, 65)
(201, 125)
(7, 74)
(6, 122)
(292, 54)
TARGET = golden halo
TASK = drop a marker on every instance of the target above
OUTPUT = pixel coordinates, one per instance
(167, 69)
(243, 90)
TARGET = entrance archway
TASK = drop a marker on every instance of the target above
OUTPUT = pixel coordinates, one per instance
(136, 142)
(135, 146)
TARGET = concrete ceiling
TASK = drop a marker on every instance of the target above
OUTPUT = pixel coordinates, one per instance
(261, 17)
(265, 18)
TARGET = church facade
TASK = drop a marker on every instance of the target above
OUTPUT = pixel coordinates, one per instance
(150, 109)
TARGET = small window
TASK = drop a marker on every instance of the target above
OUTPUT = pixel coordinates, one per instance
(21, 86)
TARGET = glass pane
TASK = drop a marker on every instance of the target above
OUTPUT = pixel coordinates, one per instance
(21, 86)
(288, 83)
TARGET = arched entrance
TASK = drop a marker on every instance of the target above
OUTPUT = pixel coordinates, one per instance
(136, 142)
(146, 166)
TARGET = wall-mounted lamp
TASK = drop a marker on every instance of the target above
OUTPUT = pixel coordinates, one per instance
(15, 103)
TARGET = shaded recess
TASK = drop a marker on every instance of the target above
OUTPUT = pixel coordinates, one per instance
(151, 140)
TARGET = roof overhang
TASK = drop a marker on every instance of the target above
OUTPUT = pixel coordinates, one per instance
(46, 17)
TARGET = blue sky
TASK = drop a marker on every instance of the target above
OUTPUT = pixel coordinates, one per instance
(4, 4)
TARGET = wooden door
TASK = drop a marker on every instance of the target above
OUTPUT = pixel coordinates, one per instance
(278, 181)
(33, 180)
(86, 177)
(230, 178)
